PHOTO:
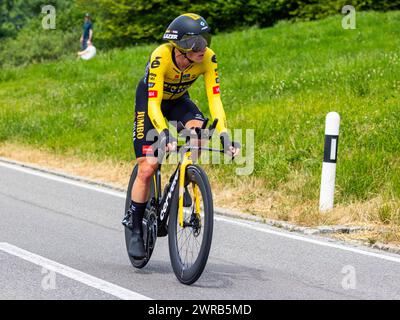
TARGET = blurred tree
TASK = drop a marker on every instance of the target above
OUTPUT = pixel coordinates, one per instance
(125, 22)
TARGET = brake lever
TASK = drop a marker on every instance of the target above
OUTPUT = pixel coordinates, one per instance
(212, 128)
(205, 122)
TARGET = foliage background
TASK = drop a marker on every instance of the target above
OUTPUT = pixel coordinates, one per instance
(125, 23)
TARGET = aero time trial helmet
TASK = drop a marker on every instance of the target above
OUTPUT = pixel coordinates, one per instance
(188, 32)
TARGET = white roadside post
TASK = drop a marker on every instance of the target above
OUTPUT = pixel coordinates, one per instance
(329, 164)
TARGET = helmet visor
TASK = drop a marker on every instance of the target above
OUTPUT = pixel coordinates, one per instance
(194, 43)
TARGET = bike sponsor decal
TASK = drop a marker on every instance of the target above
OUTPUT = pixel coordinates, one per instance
(216, 90)
(153, 93)
(214, 59)
(147, 149)
(169, 196)
(139, 125)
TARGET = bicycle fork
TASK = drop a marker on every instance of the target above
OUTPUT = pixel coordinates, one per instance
(187, 160)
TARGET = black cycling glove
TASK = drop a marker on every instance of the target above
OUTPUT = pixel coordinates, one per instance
(226, 142)
(165, 137)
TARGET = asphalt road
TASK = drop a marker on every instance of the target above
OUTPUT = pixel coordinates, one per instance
(62, 239)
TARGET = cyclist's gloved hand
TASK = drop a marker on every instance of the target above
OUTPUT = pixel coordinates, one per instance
(230, 147)
(167, 141)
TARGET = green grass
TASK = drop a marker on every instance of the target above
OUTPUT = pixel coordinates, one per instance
(280, 81)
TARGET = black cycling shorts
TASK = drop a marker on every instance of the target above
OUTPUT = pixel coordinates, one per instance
(179, 110)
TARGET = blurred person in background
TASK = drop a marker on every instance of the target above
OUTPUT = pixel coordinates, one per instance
(87, 34)
(88, 53)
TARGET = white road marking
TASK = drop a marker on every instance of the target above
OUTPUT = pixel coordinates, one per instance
(310, 240)
(73, 274)
(54, 177)
(217, 217)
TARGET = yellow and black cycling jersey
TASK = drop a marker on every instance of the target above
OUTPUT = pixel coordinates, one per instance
(166, 82)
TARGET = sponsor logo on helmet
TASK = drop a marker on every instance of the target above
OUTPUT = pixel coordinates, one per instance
(153, 93)
(171, 36)
(216, 90)
(202, 23)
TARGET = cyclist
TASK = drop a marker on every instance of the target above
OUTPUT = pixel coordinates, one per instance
(171, 70)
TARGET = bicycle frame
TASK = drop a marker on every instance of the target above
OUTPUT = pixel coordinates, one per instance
(164, 203)
(186, 160)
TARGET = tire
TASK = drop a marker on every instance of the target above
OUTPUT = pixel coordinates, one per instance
(184, 273)
(149, 224)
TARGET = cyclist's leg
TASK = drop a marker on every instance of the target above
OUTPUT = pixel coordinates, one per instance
(139, 199)
(147, 164)
(141, 187)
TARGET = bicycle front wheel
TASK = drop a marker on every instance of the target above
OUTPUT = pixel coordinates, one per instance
(189, 245)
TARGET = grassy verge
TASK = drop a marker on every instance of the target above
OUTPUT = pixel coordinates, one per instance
(280, 82)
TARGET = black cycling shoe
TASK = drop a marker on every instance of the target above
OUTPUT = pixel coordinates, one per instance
(136, 246)
(127, 221)
(187, 199)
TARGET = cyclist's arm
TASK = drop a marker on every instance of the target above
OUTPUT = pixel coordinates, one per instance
(213, 91)
(155, 85)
